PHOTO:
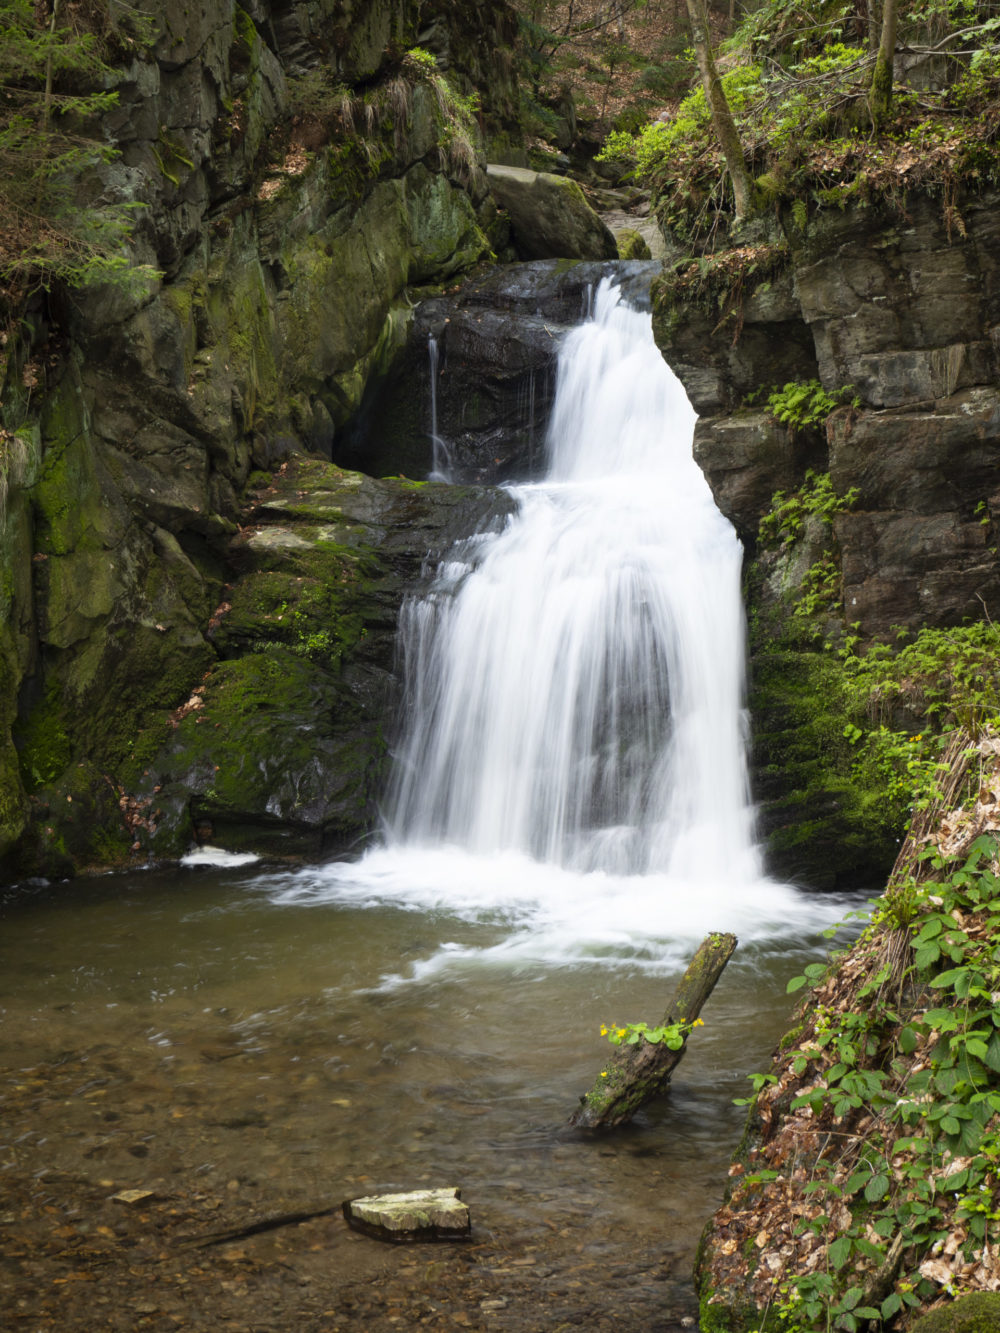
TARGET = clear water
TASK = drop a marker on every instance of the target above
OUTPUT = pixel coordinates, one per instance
(243, 1042)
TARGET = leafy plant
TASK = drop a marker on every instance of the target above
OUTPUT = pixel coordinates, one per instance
(804, 403)
(671, 1035)
(898, 1071)
(784, 523)
(803, 96)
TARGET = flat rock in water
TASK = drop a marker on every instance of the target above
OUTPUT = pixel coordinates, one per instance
(416, 1215)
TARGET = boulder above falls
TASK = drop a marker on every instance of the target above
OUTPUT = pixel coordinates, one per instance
(549, 215)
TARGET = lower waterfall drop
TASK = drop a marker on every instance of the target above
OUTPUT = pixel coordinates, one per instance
(573, 758)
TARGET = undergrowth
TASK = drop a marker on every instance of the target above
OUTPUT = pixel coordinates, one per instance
(891, 1136)
(798, 87)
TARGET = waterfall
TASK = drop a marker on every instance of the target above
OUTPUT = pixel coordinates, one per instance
(572, 769)
(441, 460)
(576, 682)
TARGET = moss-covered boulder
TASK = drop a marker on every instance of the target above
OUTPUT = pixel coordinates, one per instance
(632, 244)
(273, 753)
(549, 215)
(281, 745)
(978, 1313)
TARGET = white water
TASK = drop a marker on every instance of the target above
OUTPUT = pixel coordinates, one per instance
(441, 460)
(573, 774)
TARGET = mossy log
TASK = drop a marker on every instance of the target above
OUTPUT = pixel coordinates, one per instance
(633, 1074)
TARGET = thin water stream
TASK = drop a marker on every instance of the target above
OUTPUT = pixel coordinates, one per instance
(569, 816)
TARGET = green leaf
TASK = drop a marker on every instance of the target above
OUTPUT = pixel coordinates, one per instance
(851, 1298)
(877, 1188)
(950, 1125)
(892, 1304)
(856, 1181)
(926, 955)
(840, 1251)
(951, 977)
(795, 984)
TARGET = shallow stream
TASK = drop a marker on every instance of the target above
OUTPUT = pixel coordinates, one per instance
(243, 1058)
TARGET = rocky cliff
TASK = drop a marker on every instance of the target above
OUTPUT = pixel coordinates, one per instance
(895, 311)
(297, 171)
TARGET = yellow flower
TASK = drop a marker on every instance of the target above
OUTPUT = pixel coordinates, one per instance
(604, 1073)
(604, 1030)
(621, 1032)
(699, 1023)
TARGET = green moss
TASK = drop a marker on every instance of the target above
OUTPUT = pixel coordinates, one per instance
(66, 495)
(824, 823)
(244, 29)
(317, 617)
(978, 1313)
(12, 803)
(632, 245)
(43, 743)
(278, 754)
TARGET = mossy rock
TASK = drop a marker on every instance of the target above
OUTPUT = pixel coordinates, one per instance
(277, 750)
(978, 1313)
(822, 823)
(632, 245)
(76, 822)
(12, 799)
(314, 615)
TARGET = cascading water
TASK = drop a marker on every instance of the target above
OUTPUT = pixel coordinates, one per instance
(441, 461)
(572, 770)
(577, 693)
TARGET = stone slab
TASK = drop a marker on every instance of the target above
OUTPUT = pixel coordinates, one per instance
(416, 1215)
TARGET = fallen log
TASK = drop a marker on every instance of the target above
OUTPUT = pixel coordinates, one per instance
(634, 1073)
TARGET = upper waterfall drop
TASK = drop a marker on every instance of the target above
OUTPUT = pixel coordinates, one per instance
(575, 682)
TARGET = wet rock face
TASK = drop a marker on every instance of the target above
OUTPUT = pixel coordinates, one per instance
(906, 318)
(281, 746)
(550, 218)
(493, 367)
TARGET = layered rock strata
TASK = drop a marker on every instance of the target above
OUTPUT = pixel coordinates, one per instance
(897, 313)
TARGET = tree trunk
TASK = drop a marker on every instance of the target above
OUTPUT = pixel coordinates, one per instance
(880, 94)
(722, 117)
(633, 1074)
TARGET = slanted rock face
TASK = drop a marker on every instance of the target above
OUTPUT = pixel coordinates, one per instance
(549, 216)
(281, 746)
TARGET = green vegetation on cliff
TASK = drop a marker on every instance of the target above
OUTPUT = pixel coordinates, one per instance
(800, 93)
(869, 1187)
